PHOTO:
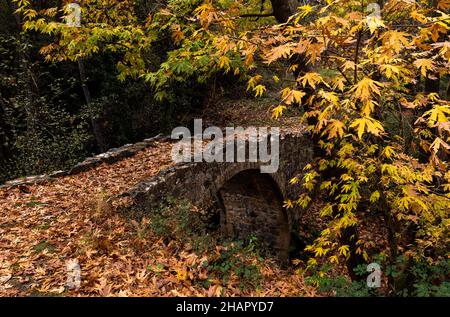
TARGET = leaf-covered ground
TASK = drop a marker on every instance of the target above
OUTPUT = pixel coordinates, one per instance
(43, 227)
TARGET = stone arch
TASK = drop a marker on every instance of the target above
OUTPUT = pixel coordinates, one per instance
(252, 204)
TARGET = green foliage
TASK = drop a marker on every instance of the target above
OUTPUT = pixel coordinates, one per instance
(340, 286)
(237, 259)
(52, 144)
(44, 245)
(177, 220)
(420, 278)
(45, 123)
(410, 278)
(37, 131)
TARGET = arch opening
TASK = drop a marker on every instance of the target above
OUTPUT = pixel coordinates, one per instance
(253, 206)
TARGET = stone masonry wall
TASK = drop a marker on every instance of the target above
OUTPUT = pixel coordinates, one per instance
(250, 206)
(111, 156)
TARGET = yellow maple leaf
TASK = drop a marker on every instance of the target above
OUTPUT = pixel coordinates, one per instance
(288, 204)
(289, 96)
(305, 10)
(224, 62)
(436, 29)
(390, 70)
(298, 95)
(344, 250)
(368, 107)
(437, 114)
(259, 90)
(282, 51)
(444, 4)
(334, 259)
(278, 111)
(424, 64)
(348, 65)
(311, 79)
(253, 81)
(339, 83)
(389, 152)
(395, 39)
(373, 23)
(364, 89)
(375, 196)
(416, 15)
(366, 123)
(445, 50)
(437, 144)
(335, 129)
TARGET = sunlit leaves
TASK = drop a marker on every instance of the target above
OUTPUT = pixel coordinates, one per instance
(344, 250)
(366, 88)
(259, 90)
(283, 51)
(390, 71)
(309, 180)
(374, 197)
(290, 96)
(206, 13)
(373, 23)
(278, 111)
(418, 16)
(395, 40)
(303, 200)
(304, 10)
(437, 114)
(288, 204)
(424, 64)
(437, 144)
(311, 79)
(367, 124)
(436, 29)
(335, 128)
(252, 82)
(389, 152)
(368, 107)
(326, 211)
(224, 62)
(443, 4)
(339, 83)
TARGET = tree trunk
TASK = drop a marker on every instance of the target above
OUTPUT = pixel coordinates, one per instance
(447, 92)
(282, 10)
(4, 135)
(432, 85)
(97, 129)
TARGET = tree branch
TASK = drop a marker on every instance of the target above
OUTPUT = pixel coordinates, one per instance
(358, 42)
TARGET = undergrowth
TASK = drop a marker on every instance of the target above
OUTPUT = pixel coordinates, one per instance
(180, 222)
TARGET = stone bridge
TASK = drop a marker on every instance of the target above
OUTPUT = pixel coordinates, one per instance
(249, 202)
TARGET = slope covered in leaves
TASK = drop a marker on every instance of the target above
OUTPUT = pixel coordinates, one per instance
(44, 227)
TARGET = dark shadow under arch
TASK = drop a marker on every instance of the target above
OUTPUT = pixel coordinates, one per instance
(253, 205)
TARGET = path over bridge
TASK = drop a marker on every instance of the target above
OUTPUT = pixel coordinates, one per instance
(250, 202)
